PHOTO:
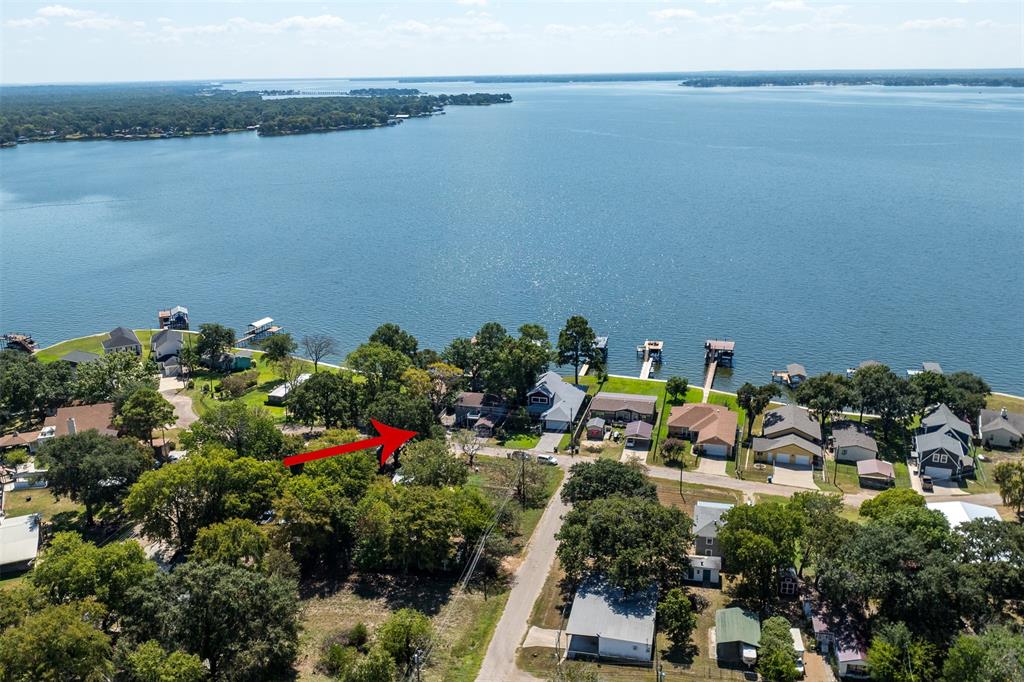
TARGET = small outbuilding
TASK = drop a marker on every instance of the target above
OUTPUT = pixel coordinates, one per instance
(638, 434)
(19, 542)
(737, 636)
(705, 570)
(876, 473)
(595, 428)
(1001, 429)
(608, 625)
(280, 394)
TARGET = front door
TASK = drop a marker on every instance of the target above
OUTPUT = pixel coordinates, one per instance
(707, 578)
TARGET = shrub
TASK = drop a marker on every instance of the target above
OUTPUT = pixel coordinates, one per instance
(336, 660)
(16, 458)
(673, 448)
(237, 384)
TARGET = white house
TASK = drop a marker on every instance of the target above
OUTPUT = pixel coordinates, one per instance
(19, 541)
(851, 444)
(1001, 429)
(606, 624)
(706, 570)
(279, 394)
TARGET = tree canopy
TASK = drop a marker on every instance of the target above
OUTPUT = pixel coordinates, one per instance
(604, 478)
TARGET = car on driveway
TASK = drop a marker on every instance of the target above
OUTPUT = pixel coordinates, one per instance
(547, 459)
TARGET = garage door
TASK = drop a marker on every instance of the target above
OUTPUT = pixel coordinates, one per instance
(715, 450)
(803, 460)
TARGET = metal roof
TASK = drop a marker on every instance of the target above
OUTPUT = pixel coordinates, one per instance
(601, 610)
(707, 518)
(19, 538)
(962, 512)
(737, 625)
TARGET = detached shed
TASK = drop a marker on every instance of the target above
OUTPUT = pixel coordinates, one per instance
(876, 473)
(737, 636)
(606, 624)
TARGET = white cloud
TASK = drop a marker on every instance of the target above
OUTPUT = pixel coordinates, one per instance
(674, 13)
(472, 2)
(62, 11)
(930, 24)
(32, 22)
(104, 23)
(786, 5)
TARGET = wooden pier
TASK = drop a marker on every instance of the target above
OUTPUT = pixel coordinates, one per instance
(717, 352)
(22, 342)
(259, 330)
(651, 352)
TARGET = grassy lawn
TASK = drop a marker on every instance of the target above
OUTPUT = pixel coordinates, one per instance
(751, 470)
(845, 478)
(902, 474)
(670, 494)
(693, 395)
(768, 497)
(551, 604)
(266, 382)
(1012, 404)
(89, 344)
(982, 483)
(522, 441)
(41, 501)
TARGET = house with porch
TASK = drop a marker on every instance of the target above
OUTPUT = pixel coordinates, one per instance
(471, 407)
(623, 408)
(554, 402)
(1001, 429)
(790, 435)
(712, 428)
(942, 446)
(122, 340)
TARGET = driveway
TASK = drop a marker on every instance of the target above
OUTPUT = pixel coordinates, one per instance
(945, 487)
(794, 475)
(548, 442)
(712, 465)
(499, 663)
(171, 388)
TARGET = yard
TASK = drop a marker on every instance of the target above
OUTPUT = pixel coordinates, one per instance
(685, 497)
(89, 344)
(693, 395)
(39, 501)
(464, 626)
(266, 382)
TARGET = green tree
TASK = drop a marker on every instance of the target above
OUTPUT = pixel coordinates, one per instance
(430, 462)
(895, 655)
(402, 634)
(633, 541)
(969, 394)
(249, 432)
(821, 527)
(236, 542)
(403, 411)
(375, 666)
(1009, 476)
(888, 501)
(931, 388)
(243, 623)
(604, 478)
(676, 617)
(996, 655)
(27, 385)
(278, 346)
(210, 486)
(92, 469)
(214, 340)
(189, 357)
(676, 387)
(143, 411)
(870, 385)
(576, 344)
(776, 658)
(382, 365)
(760, 540)
(332, 399)
(57, 644)
(755, 400)
(112, 376)
(394, 337)
(825, 395)
(148, 662)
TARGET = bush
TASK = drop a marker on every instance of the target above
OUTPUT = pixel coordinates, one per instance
(358, 636)
(16, 458)
(699, 602)
(336, 660)
(237, 384)
(673, 448)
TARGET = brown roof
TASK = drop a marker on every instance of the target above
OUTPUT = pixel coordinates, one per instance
(18, 440)
(614, 402)
(713, 423)
(99, 416)
(473, 399)
(875, 467)
(639, 429)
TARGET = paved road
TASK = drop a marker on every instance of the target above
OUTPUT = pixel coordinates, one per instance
(500, 662)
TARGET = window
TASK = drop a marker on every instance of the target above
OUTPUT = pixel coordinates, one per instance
(538, 400)
(710, 542)
(941, 459)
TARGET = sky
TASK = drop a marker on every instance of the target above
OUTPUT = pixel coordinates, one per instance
(96, 41)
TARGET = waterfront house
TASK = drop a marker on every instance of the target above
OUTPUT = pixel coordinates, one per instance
(280, 394)
(707, 520)
(606, 624)
(554, 402)
(737, 636)
(165, 349)
(875, 473)
(595, 428)
(941, 455)
(1001, 429)
(470, 407)
(941, 418)
(79, 418)
(122, 340)
(638, 434)
(851, 443)
(961, 512)
(19, 542)
(79, 357)
(712, 428)
(791, 420)
(623, 408)
(788, 449)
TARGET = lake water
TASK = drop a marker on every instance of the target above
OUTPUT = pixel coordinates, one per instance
(812, 225)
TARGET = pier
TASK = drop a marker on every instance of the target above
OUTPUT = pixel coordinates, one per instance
(651, 353)
(22, 342)
(716, 352)
(257, 331)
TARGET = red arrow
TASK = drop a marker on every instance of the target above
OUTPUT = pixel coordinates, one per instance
(390, 439)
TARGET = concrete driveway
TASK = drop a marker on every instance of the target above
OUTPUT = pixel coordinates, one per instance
(794, 475)
(172, 389)
(712, 465)
(548, 442)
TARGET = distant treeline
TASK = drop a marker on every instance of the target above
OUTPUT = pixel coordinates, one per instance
(887, 79)
(175, 110)
(383, 92)
(967, 77)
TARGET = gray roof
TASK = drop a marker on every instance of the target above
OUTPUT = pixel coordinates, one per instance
(766, 444)
(943, 416)
(121, 336)
(595, 421)
(737, 625)
(938, 440)
(566, 398)
(794, 369)
(992, 420)
(639, 429)
(614, 402)
(932, 367)
(79, 357)
(701, 561)
(601, 610)
(851, 436)
(707, 518)
(166, 342)
(791, 417)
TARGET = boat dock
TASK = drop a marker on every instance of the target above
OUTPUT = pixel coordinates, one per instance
(259, 330)
(22, 342)
(716, 352)
(651, 352)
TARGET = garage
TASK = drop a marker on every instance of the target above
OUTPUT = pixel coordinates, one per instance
(802, 460)
(715, 450)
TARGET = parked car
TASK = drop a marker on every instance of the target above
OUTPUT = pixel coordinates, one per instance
(519, 454)
(926, 484)
(547, 459)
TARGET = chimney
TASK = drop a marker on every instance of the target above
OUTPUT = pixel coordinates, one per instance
(1002, 413)
(72, 427)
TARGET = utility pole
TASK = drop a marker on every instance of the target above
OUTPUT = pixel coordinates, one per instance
(522, 482)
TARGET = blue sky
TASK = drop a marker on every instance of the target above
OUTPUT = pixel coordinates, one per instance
(120, 41)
